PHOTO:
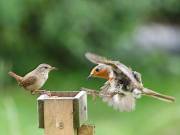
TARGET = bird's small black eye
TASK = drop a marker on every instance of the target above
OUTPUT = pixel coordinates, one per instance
(97, 69)
(46, 67)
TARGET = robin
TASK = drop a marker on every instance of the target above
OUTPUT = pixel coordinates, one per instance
(123, 85)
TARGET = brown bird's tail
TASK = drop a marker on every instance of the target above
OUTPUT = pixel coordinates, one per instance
(159, 96)
(14, 75)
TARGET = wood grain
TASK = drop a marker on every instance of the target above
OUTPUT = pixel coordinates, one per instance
(86, 130)
(80, 109)
(58, 115)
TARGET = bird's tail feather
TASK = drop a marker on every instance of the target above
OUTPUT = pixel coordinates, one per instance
(14, 75)
(157, 95)
(123, 103)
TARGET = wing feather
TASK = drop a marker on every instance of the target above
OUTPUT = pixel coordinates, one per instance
(105, 92)
(28, 81)
(119, 102)
(105, 88)
(96, 59)
(117, 66)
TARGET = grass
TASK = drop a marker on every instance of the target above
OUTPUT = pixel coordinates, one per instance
(18, 111)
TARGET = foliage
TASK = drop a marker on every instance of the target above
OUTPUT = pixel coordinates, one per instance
(57, 31)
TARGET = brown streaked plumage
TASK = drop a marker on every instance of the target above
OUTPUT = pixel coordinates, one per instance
(35, 79)
(123, 84)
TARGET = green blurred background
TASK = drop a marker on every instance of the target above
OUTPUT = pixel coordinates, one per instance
(143, 34)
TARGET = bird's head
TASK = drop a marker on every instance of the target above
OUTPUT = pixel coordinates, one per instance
(101, 71)
(45, 68)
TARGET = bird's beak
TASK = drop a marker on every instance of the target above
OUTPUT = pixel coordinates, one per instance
(54, 68)
(89, 76)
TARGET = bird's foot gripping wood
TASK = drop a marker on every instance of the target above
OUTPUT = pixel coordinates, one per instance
(95, 93)
(91, 92)
(41, 92)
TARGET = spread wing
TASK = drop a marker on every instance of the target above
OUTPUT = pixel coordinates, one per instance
(28, 81)
(96, 59)
(117, 66)
(104, 90)
(104, 93)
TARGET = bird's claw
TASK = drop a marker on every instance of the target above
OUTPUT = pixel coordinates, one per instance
(91, 92)
(48, 93)
(41, 92)
(33, 92)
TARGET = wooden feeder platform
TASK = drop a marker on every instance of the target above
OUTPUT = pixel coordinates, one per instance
(64, 113)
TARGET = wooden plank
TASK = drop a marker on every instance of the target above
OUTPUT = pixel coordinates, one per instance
(62, 113)
(58, 115)
(64, 93)
(41, 113)
(86, 130)
(54, 95)
(80, 109)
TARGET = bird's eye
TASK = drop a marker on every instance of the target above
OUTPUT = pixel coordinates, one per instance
(97, 69)
(46, 67)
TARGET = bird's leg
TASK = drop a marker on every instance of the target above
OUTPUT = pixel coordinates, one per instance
(95, 93)
(41, 92)
(33, 92)
(46, 92)
(91, 92)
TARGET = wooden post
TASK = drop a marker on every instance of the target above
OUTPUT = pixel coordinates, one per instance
(58, 116)
(63, 113)
(86, 130)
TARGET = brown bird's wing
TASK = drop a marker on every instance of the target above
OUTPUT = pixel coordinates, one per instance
(28, 81)
(117, 66)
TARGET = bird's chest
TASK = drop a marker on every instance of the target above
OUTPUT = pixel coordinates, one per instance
(42, 79)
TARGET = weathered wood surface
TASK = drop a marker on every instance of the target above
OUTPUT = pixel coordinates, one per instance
(58, 117)
(41, 113)
(80, 109)
(86, 130)
(62, 113)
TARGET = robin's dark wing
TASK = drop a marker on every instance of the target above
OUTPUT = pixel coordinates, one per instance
(117, 66)
(28, 81)
(127, 72)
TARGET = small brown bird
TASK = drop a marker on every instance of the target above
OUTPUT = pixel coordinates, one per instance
(35, 79)
(123, 87)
